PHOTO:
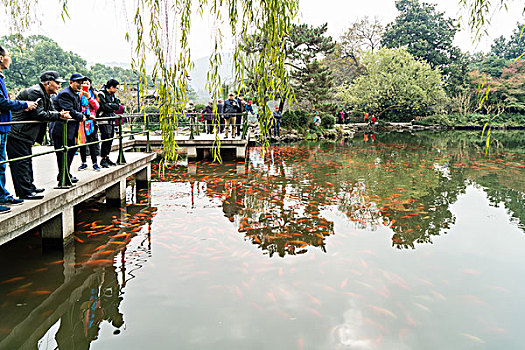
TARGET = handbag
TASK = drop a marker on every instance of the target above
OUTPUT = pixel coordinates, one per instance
(81, 135)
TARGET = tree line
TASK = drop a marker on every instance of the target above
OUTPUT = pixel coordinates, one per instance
(406, 69)
(35, 54)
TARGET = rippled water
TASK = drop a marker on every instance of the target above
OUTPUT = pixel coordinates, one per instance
(387, 241)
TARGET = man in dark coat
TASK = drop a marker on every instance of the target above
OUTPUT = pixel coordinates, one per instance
(242, 109)
(22, 137)
(109, 103)
(231, 109)
(68, 100)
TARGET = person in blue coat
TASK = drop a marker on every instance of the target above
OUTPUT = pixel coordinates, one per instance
(6, 106)
(68, 100)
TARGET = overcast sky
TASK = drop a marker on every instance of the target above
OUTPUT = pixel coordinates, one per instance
(107, 23)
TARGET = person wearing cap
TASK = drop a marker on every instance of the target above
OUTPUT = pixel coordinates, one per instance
(109, 104)
(68, 100)
(231, 108)
(22, 137)
(242, 109)
(6, 106)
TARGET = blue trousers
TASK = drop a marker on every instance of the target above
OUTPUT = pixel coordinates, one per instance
(277, 127)
(4, 194)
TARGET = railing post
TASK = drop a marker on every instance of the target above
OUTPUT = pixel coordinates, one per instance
(148, 145)
(121, 159)
(191, 121)
(131, 120)
(64, 180)
(197, 132)
(244, 126)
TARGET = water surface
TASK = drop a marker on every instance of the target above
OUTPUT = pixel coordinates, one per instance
(385, 241)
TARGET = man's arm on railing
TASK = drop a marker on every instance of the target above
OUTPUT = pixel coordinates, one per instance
(67, 103)
(40, 113)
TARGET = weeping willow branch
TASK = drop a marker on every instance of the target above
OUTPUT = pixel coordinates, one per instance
(161, 30)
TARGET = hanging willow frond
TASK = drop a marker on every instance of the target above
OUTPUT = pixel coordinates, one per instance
(162, 28)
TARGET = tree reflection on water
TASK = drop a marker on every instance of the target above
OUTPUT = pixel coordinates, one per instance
(403, 182)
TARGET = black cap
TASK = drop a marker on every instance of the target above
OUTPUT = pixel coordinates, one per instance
(76, 76)
(51, 75)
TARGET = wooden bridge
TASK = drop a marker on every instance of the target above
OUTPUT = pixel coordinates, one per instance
(197, 148)
(54, 214)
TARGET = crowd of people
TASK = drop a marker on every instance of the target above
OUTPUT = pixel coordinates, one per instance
(343, 117)
(231, 113)
(79, 105)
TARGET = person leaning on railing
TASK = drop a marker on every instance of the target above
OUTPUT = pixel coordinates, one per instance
(109, 103)
(90, 104)
(6, 106)
(22, 137)
(68, 100)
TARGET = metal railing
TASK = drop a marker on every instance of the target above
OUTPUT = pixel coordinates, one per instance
(191, 120)
(64, 180)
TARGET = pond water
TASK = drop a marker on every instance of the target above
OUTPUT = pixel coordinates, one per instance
(385, 241)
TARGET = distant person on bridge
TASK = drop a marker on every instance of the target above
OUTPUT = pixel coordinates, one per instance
(6, 106)
(68, 100)
(22, 137)
(220, 112)
(242, 109)
(231, 109)
(109, 103)
(276, 123)
(208, 117)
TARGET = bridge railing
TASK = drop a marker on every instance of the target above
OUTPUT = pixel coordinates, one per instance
(194, 122)
(65, 180)
(190, 120)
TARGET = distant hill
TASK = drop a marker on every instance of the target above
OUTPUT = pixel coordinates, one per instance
(198, 74)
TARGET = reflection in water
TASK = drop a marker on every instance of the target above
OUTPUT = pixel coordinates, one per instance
(407, 186)
(300, 247)
(61, 299)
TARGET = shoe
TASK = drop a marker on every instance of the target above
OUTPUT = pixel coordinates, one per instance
(39, 190)
(104, 163)
(96, 167)
(12, 201)
(4, 209)
(111, 163)
(82, 167)
(33, 195)
(74, 179)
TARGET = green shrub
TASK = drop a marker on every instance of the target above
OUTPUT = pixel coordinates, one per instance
(295, 119)
(327, 121)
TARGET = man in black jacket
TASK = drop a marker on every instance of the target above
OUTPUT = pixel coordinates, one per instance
(108, 105)
(231, 110)
(68, 100)
(22, 137)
